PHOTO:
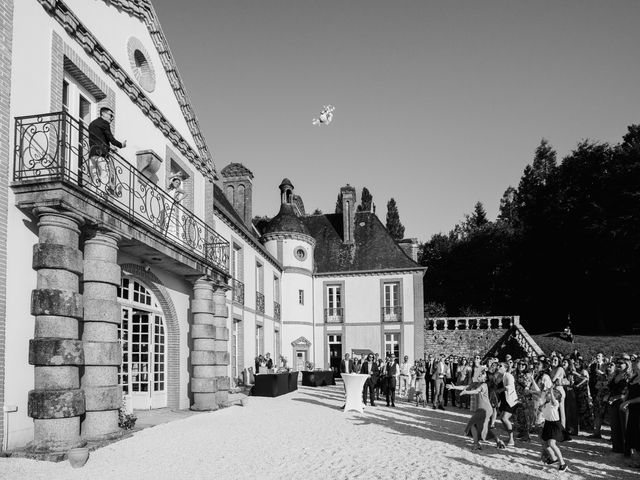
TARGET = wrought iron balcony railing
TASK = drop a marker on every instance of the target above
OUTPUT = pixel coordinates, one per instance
(259, 302)
(276, 310)
(56, 147)
(238, 291)
(391, 314)
(334, 315)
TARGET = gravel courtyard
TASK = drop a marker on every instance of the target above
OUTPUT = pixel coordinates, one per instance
(305, 435)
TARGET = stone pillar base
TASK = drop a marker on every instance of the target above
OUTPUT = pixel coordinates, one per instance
(203, 402)
(56, 435)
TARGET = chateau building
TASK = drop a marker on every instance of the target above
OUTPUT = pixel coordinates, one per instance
(139, 275)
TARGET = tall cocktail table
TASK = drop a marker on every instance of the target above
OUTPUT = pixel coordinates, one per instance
(353, 384)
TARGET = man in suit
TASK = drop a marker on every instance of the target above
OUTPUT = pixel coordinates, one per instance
(369, 368)
(102, 169)
(390, 372)
(429, 364)
(346, 365)
(439, 377)
(450, 379)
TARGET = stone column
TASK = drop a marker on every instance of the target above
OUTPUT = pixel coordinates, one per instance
(221, 346)
(56, 402)
(102, 352)
(209, 363)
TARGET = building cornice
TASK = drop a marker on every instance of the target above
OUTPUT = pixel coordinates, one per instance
(142, 9)
(360, 273)
(298, 270)
(289, 236)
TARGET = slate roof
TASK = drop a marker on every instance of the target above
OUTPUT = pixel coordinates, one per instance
(373, 250)
(286, 221)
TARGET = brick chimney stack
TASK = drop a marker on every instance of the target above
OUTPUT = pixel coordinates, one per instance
(348, 213)
(238, 186)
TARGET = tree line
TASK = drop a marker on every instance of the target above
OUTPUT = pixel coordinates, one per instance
(565, 246)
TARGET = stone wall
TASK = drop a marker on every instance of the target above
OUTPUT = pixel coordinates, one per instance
(461, 342)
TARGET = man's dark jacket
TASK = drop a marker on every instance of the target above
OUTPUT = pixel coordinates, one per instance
(101, 138)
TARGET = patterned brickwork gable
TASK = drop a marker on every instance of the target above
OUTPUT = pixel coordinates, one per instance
(76, 30)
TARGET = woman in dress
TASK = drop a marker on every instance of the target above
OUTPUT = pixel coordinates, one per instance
(601, 401)
(462, 378)
(525, 411)
(492, 384)
(476, 370)
(558, 375)
(572, 419)
(617, 392)
(507, 399)
(478, 426)
(631, 406)
(421, 384)
(581, 388)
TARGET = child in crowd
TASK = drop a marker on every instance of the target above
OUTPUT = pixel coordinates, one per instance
(552, 430)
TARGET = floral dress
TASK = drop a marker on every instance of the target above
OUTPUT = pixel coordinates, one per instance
(600, 402)
(585, 410)
(525, 413)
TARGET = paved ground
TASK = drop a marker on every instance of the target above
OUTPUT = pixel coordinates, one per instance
(306, 435)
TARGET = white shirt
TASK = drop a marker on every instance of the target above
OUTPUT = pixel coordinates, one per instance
(404, 368)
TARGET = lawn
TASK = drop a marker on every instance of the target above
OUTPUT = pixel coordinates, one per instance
(588, 346)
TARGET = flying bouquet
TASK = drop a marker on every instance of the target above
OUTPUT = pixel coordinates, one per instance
(326, 115)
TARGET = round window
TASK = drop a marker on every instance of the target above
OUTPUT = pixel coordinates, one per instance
(300, 253)
(141, 64)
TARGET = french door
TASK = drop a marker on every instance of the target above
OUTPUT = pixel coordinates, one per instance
(142, 335)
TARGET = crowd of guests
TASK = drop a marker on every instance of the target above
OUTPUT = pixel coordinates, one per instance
(556, 396)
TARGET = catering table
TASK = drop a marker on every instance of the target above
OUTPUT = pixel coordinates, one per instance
(353, 384)
(317, 378)
(274, 384)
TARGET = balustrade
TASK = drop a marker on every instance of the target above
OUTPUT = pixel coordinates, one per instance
(391, 314)
(238, 291)
(334, 315)
(55, 147)
(471, 323)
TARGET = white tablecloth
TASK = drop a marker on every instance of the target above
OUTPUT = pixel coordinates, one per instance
(353, 383)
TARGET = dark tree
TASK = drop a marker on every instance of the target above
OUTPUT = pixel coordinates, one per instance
(366, 201)
(339, 203)
(394, 227)
(508, 207)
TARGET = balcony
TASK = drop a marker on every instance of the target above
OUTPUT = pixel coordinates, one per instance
(276, 310)
(259, 302)
(334, 315)
(54, 148)
(238, 292)
(391, 314)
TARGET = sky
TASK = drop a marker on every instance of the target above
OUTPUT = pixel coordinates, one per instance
(438, 104)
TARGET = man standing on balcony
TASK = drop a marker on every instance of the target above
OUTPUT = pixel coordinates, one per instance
(102, 168)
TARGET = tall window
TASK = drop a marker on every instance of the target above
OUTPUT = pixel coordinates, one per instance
(236, 263)
(301, 297)
(392, 344)
(259, 340)
(391, 302)
(259, 277)
(276, 289)
(276, 347)
(334, 298)
(234, 349)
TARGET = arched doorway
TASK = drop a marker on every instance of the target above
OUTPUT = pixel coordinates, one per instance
(142, 336)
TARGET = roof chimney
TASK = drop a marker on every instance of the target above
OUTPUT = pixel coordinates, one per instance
(410, 247)
(348, 213)
(237, 184)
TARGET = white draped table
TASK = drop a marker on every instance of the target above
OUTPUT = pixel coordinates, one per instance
(353, 384)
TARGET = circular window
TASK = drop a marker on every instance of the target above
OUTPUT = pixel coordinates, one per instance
(141, 64)
(300, 253)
